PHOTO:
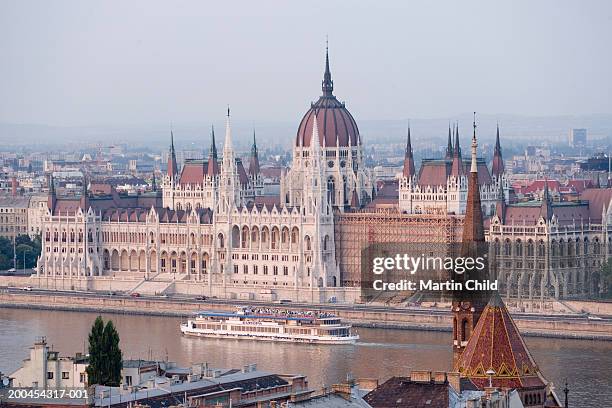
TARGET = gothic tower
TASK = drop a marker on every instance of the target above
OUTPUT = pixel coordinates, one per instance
(467, 307)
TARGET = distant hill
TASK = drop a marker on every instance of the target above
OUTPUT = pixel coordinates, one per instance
(282, 134)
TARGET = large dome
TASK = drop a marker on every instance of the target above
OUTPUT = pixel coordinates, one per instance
(336, 124)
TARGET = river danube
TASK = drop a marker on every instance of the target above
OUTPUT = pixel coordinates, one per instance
(378, 354)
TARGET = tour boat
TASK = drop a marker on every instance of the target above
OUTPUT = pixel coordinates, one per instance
(271, 325)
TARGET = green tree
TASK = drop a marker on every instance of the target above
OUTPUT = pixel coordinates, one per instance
(23, 244)
(105, 357)
(114, 357)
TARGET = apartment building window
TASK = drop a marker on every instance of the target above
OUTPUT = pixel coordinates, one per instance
(65, 375)
(275, 270)
(235, 268)
(285, 270)
(255, 269)
(49, 375)
(245, 269)
(83, 378)
(265, 270)
(128, 380)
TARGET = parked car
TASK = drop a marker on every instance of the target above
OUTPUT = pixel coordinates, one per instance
(135, 294)
(28, 288)
(201, 298)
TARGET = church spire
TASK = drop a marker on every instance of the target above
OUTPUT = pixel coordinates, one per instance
(254, 160)
(213, 164)
(449, 145)
(408, 158)
(172, 165)
(327, 84)
(472, 246)
(500, 208)
(473, 229)
(228, 132)
(546, 207)
(497, 168)
(457, 166)
(213, 144)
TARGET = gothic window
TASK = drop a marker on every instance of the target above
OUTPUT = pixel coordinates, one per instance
(464, 330)
(235, 237)
(294, 235)
(519, 247)
(221, 241)
(331, 190)
(541, 249)
(507, 248)
(244, 238)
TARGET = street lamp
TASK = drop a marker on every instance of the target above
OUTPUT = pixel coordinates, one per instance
(24, 252)
(490, 373)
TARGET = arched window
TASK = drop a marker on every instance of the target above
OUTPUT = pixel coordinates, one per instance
(220, 240)
(530, 248)
(235, 237)
(331, 190)
(507, 248)
(518, 247)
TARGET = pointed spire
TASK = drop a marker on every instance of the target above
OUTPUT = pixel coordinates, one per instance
(497, 167)
(457, 148)
(409, 170)
(228, 132)
(500, 208)
(213, 164)
(254, 160)
(546, 206)
(473, 228)
(457, 165)
(449, 145)
(213, 144)
(327, 84)
(172, 165)
(153, 183)
(314, 139)
(474, 165)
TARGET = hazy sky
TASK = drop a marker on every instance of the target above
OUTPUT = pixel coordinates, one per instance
(150, 62)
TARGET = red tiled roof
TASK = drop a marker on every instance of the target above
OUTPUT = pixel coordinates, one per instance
(272, 172)
(497, 345)
(242, 174)
(581, 185)
(268, 201)
(538, 185)
(434, 173)
(597, 198)
(388, 189)
(193, 173)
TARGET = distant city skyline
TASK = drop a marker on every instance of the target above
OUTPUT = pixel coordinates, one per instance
(151, 63)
